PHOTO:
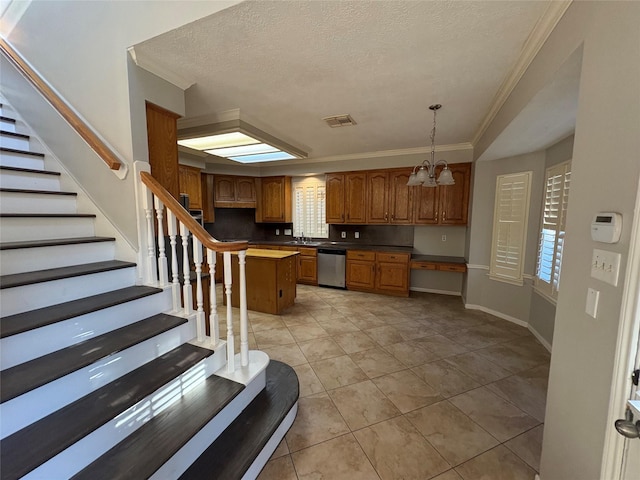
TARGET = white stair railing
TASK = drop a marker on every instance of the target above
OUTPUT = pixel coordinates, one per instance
(196, 248)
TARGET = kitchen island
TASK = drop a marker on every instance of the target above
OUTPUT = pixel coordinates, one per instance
(271, 280)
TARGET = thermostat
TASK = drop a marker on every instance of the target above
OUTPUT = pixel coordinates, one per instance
(606, 227)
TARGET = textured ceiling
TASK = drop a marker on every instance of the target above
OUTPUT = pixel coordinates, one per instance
(287, 64)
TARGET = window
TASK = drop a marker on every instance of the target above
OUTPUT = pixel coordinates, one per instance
(552, 228)
(309, 208)
(510, 217)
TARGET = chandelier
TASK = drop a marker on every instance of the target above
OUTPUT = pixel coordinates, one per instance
(426, 171)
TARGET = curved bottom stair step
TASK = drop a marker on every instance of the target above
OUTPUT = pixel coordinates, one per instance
(233, 452)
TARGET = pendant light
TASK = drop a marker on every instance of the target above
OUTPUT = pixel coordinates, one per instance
(425, 173)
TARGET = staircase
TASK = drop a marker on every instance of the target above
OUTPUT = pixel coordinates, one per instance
(103, 378)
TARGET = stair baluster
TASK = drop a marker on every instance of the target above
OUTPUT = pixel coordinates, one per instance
(187, 294)
(230, 336)
(214, 328)
(244, 321)
(197, 260)
(163, 278)
(175, 282)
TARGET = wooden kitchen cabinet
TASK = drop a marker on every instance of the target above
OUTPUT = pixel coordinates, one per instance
(346, 198)
(378, 193)
(231, 191)
(190, 183)
(361, 270)
(379, 272)
(274, 200)
(308, 266)
(207, 187)
(444, 204)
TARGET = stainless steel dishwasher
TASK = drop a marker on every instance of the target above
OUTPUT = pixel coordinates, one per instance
(332, 267)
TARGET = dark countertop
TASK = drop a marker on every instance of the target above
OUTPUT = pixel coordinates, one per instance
(438, 259)
(328, 244)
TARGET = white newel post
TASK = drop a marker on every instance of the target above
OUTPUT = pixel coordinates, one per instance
(187, 296)
(197, 260)
(163, 277)
(244, 321)
(175, 276)
(214, 331)
(151, 270)
(231, 366)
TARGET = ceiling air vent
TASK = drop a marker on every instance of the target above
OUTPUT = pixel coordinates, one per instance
(339, 121)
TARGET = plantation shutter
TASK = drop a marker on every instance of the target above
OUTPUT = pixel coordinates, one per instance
(309, 217)
(511, 215)
(552, 232)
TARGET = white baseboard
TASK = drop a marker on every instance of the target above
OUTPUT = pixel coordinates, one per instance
(495, 313)
(431, 290)
(540, 338)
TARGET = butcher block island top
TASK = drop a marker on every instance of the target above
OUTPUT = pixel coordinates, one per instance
(271, 280)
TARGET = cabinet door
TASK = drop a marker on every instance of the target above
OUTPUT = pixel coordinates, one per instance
(189, 181)
(307, 270)
(360, 274)
(454, 199)
(275, 199)
(207, 183)
(355, 197)
(245, 190)
(335, 198)
(224, 191)
(425, 205)
(378, 194)
(393, 277)
(163, 147)
(400, 198)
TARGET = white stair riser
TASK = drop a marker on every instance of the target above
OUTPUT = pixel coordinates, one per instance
(20, 160)
(18, 349)
(10, 141)
(15, 229)
(38, 295)
(41, 258)
(6, 125)
(36, 404)
(29, 180)
(86, 450)
(188, 454)
(18, 202)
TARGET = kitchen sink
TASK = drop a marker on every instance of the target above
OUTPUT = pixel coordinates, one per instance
(300, 242)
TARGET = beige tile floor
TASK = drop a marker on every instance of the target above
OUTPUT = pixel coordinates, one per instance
(405, 388)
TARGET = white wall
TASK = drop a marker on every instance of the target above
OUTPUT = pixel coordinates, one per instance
(80, 48)
(606, 136)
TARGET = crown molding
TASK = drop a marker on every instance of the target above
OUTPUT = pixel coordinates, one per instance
(394, 153)
(160, 71)
(532, 46)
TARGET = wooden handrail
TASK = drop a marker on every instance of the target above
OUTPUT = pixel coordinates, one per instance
(98, 146)
(187, 220)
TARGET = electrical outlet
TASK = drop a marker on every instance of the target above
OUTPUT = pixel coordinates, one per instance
(343, 234)
(605, 266)
(287, 231)
(444, 238)
(356, 235)
(277, 231)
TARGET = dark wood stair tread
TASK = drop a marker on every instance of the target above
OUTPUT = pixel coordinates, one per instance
(30, 375)
(28, 278)
(233, 452)
(14, 134)
(37, 192)
(22, 152)
(23, 322)
(30, 447)
(27, 170)
(7, 119)
(149, 447)
(53, 242)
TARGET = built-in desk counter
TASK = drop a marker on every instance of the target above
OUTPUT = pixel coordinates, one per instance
(438, 262)
(271, 280)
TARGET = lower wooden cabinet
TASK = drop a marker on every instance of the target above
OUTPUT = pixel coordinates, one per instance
(308, 266)
(379, 272)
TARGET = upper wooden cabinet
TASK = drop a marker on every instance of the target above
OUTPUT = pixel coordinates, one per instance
(346, 198)
(232, 191)
(191, 184)
(445, 205)
(390, 199)
(274, 200)
(378, 192)
(208, 214)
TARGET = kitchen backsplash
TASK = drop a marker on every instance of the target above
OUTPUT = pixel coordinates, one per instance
(239, 224)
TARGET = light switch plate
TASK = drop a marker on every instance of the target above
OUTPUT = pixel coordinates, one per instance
(287, 231)
(605, 266)
(592, 302)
